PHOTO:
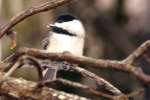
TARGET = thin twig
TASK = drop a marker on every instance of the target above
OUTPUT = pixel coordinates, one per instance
(51, 4)
(137, 53)
(12, 69)
(76, 85)
(99, 81)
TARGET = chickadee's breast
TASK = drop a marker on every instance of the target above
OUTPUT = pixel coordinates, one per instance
(62, 43)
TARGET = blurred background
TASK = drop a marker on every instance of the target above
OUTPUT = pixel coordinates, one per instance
(114, 29)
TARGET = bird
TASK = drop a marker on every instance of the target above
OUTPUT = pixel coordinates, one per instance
(67, 34)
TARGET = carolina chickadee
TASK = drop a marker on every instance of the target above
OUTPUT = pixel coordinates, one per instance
(67, 35)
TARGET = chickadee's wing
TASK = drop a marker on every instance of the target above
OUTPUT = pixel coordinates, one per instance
(45, 43)
(50, 74)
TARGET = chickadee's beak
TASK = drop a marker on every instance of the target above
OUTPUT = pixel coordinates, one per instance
(50, 25)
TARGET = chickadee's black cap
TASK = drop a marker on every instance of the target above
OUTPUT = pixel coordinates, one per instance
(65, 18)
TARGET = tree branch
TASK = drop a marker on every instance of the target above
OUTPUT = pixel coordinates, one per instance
(96, 63)
(99, 81)
(22, 89)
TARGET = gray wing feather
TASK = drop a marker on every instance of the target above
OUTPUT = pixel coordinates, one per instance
(50, 74)
(45, 43)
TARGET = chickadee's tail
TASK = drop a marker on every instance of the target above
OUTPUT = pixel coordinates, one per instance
(50, 74)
